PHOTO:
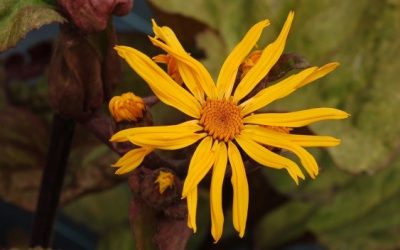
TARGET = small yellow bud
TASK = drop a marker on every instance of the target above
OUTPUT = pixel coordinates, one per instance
(172, 68)
(249, 62)
(165, 180)
(126, 107)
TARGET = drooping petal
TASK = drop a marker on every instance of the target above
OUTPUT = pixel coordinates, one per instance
(131, 160)
(269, 57)
(190, 68)
(274, 92)
(162, 137)
(267, 158)
(188, 127)
(166, 141)
(314, 140)
(191, 200)
(229, 69)
(202, 160)
(297, 118)
(301, 140)
(273, 140)
(240, 189)
(322, 71)
(160, 82)
(217, 215)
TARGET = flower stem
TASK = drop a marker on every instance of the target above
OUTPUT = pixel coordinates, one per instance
(52, 180)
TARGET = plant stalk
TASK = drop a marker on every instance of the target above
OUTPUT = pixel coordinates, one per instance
(52, 181)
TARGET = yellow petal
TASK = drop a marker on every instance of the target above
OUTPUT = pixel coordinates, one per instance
(162, 137)
(189, 77)
(191, 200)
(185, 128)
(267, 158)
(202, 160)
(322, 71)
(161, 58)
(314, 140)
(167, 35)
(229, 69)
(271, 139)
(297, 118)
(240, 189)
(301, 140)
(275, 92)
(131, 160)
(160, 82)
(269, 57)
(217, 215)
(190, 67)
(166, 141)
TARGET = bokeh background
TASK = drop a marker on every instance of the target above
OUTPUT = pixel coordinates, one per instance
(353, 204)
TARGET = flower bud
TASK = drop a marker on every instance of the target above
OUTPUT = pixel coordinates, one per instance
(151, 189)
(126, 107)
(165, 180)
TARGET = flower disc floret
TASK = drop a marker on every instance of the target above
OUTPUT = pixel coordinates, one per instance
(221, 119)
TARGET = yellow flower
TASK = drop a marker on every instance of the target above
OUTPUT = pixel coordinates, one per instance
(222, 121)
(165, 180)
(127, 107)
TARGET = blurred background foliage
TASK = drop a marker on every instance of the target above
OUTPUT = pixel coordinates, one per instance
(353, 204)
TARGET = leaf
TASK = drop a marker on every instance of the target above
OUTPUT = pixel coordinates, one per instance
(282, 225)
(22, 156)
(18, 17)
(342, 211)
(363, 214)
(117, 238)
(103, 210)
(24, 137)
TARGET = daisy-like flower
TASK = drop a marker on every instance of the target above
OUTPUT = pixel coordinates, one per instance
(222, 120)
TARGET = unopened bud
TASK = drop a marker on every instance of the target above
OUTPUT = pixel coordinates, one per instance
(126, 107)
(150, 189)
(165, 180)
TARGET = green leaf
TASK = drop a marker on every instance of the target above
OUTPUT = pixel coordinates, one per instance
(117, 238)
(342, 211)
(282, 225)
(18, 17)
(363, 214)
(103, 210)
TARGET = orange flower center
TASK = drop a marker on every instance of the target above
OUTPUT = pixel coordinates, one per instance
(221, 119)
